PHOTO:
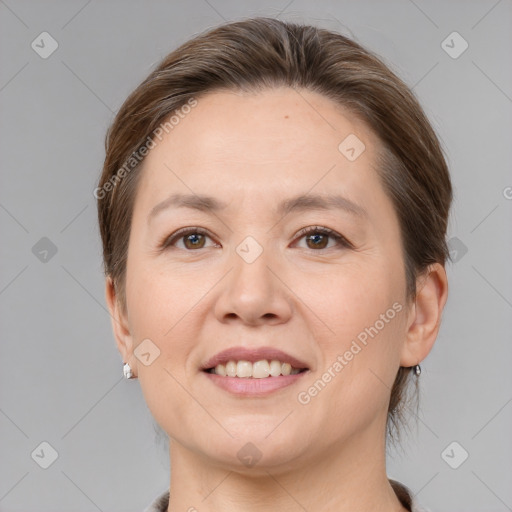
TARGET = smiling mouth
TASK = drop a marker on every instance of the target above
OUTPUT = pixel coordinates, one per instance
(258, 370)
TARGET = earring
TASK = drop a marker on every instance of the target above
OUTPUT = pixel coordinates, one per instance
(417, 370)
(127, 371)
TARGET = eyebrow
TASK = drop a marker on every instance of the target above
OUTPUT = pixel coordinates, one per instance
(303, 202)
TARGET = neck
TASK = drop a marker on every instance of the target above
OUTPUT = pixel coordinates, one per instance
(345, 478)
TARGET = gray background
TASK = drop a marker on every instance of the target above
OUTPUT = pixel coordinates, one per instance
(60, 372)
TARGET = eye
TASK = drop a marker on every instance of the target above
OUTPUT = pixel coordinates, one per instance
(193, 238)
(317, 238)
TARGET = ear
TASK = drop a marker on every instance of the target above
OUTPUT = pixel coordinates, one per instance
(425, 315)
(120, 326)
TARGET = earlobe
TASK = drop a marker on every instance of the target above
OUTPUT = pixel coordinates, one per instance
(425, 316)
(119, 321)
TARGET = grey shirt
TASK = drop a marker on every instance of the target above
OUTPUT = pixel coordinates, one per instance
(405, 496)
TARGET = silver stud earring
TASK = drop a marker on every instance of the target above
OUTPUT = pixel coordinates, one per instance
(417, 370)
(127, 371)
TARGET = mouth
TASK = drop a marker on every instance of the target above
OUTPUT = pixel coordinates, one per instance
(261, 369)
(254, 372)
(254, 363)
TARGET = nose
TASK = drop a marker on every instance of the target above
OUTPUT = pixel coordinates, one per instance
(254, 293)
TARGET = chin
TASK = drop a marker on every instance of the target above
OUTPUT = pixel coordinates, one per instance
(254, 450)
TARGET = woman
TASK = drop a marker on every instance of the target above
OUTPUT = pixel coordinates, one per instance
(273, 210)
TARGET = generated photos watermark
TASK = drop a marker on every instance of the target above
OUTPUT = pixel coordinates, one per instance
(150, 143)
(361, 341)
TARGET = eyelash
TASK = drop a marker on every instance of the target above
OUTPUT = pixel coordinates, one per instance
(182, 233)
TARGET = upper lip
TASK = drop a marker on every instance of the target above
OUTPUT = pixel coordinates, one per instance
(252, 355)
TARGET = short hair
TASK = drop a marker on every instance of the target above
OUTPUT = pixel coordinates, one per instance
(264, 53)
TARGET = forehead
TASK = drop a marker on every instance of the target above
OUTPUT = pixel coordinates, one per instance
(273, 120)
(281, 141)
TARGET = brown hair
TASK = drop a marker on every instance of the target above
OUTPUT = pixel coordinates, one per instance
(260, 53)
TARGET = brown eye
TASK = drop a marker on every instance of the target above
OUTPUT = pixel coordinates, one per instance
(317, 241)
(190, 239)
(317, 238)
(194, 241)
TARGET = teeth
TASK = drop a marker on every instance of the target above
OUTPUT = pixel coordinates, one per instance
(230, 369)
(258, 370)
(220, 370)
(275, 368)
(243, 369)
(286, 369)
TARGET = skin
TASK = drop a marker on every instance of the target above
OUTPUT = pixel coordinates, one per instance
(253, 150)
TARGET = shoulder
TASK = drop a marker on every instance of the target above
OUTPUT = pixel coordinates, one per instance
(407, 498)
(159, 504)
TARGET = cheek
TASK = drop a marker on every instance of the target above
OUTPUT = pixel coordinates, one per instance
(364, 310)
(159, 311)
(353, 297)
(156, 293)
(147, 303)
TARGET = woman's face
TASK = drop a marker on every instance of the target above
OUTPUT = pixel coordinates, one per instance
(244, 276)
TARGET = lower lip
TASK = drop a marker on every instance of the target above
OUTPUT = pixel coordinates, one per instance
(253, 387)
